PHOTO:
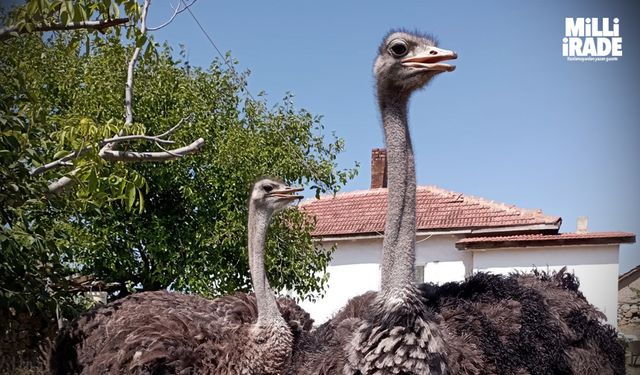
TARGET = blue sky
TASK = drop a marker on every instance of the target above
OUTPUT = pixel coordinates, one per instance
(515, 123)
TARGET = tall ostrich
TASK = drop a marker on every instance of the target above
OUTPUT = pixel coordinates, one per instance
(171, 333)
(398, 335)
(363, 338)
(535, 323)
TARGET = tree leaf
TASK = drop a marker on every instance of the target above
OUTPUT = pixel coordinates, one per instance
(92, 181)
(131, 195)
(140, 201)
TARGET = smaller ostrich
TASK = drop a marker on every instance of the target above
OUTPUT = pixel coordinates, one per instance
(173, 333)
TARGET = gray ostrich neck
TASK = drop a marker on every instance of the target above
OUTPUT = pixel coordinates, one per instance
(398, 247)
(267, 308)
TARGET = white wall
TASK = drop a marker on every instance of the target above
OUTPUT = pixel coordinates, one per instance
(355, 269)
(441, 260)
(595, 266)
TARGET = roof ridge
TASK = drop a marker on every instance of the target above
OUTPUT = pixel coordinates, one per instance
(359, 192)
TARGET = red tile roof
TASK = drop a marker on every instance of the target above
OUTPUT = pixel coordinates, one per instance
(529, 240)
(363, 212)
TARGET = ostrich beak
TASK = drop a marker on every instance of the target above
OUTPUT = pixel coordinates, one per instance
(431, 60)
(287, 193)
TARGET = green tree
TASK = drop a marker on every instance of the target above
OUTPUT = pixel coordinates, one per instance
(191, 231)
(139, 225)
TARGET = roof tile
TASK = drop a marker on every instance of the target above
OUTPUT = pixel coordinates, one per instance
(363, 212)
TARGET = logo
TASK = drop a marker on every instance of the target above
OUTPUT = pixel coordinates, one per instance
(592, 39)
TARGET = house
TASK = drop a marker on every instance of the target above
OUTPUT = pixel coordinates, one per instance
(456, 236)
(629, 302)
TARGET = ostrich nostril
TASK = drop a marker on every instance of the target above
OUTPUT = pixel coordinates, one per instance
(433, 52)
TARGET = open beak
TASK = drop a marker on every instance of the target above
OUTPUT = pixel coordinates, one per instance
(431, 59)
(287, 193)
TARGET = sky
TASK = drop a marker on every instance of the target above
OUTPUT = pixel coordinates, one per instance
(515, 123)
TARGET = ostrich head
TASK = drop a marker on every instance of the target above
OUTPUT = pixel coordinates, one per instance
(272, 196)
(408, 61)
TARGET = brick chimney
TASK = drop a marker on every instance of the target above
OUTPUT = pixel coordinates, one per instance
(378, 168)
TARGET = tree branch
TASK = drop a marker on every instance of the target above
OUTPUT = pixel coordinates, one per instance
(176, 126)
(108, 152)
(60, 184)
(128, 91)
(133, 156)
(10, 31)
(175, 13)
(160, 138)
(113, 155)
(135, 137)
(63, 161)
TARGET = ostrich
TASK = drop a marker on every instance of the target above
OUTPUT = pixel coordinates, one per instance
(535, 323)
(397, 334)
(429, 329)
(363, 338)
(163, 332)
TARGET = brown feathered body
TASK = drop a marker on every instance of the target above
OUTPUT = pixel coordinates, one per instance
(173, 333)
(523, 323)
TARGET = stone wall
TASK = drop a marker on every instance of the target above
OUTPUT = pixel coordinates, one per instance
(629, 309)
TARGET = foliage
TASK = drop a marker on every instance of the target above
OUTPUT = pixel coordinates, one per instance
(191, 233)
(144, 226)
(37, 13)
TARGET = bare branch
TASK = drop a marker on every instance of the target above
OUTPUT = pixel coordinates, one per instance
(168, 151)
(135, 137)
(63, 161)
(133, 156)
(156, 138)
(176, 11)
(60, 184)
(176, 126)
(128, 91)
(10, 31)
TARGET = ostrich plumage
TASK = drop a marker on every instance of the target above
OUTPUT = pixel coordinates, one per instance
(523, 323)
(173, 333)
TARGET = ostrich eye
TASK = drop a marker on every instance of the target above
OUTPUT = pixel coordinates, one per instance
(268, 188)
(398, 48)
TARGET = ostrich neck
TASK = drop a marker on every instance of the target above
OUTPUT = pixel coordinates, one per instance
(398, 247)
(267, 308)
